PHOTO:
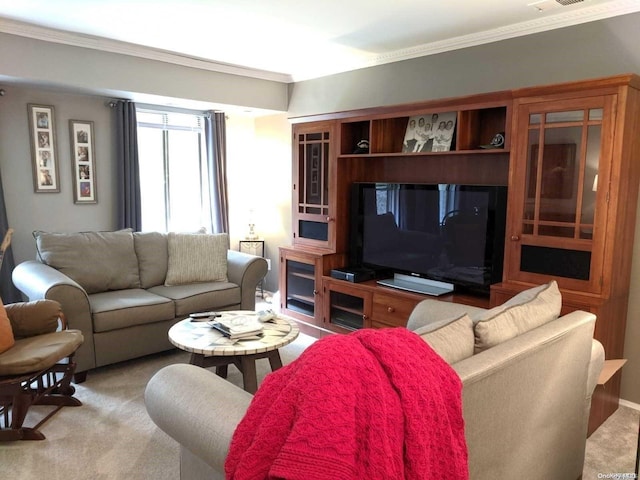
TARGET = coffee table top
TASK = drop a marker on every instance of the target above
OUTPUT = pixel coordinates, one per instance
(199, 337)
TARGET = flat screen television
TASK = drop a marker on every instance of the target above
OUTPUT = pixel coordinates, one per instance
(451, 235)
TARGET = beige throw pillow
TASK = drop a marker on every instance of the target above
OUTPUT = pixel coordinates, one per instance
(524, 312)
(197, 258)
(452, 340)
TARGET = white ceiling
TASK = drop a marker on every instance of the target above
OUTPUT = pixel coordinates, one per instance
(292, 40)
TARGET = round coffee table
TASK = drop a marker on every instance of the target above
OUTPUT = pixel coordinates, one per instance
(210, 348)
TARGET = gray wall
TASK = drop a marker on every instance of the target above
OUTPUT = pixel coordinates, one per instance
(596, 49)
(28, 211)
(86, 70)
(590, 50)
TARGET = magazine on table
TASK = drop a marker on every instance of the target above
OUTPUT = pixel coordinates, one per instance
(238, 326)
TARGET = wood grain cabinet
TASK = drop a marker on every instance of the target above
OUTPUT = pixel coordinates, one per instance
(391, 310)
(314, 202)
(301, 272)
(346, 307)
(351, 306)
(573, 197)
(571, 164)
(572, 203)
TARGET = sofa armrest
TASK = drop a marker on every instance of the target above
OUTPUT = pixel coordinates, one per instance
(37, 280)
(246, 270)
(197, 409)
(512, 394)
(429, 312)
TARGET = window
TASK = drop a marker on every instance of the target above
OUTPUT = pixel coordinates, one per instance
(173, 171)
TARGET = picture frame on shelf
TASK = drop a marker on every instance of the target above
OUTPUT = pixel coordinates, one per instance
(44, 158)
(443, 129)
(83, 163)
(429, 133)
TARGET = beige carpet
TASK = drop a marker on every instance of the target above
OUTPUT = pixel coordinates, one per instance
(612, 448)
(111, 436)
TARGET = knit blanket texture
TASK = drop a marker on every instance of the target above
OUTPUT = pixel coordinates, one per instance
(373, 404)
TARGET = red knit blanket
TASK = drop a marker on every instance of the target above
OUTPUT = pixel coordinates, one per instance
(375, 404)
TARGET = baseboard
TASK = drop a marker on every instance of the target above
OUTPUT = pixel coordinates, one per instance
(628, 404)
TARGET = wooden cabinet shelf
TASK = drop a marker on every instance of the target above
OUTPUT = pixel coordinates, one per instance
(303, 298)
(427, 155)
(474, 127)
(302, 275)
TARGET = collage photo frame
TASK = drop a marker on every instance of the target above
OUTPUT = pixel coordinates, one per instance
(44, 159)
(83, 165)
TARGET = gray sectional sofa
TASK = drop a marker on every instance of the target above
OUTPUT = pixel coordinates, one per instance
(125, 289)
(527, 374)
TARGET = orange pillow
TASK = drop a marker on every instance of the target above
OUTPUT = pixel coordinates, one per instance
(6, 332)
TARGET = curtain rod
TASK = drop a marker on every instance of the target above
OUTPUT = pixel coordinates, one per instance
(114, 102)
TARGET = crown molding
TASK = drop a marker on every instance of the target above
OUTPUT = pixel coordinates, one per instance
(114, 46)
(544, 23)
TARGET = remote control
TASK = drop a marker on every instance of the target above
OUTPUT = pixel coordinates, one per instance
(205, 314)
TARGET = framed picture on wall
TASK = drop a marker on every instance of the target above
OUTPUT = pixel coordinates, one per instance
(44, 160)
(83, 163)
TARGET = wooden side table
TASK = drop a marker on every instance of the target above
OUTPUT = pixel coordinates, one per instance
(254, 247)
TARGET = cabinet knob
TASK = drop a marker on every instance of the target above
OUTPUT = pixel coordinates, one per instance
(329, 219)
(391, 309)
(364, 317)
(515, 238)
(315, 292)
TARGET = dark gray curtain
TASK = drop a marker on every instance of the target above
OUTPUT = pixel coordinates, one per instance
(216, 146)
(8, 291)
(128, 174)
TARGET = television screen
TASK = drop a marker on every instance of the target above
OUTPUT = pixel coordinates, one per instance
(444, 232)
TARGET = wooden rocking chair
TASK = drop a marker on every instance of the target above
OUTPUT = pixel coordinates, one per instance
(38, 367)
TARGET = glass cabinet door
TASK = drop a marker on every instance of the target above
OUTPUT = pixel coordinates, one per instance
(562, 164)
(300, 287)
(312, 203)
(346, 307)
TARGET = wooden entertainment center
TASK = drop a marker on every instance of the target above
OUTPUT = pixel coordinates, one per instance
(570, 162)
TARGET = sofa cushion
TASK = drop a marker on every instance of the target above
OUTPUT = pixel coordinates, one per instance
(34, 318)
(126, 308)
(453, 340)
(525, 311)
(197, 258)
(201, 297)
(98, 261)
(153, 257)
(7, 339)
